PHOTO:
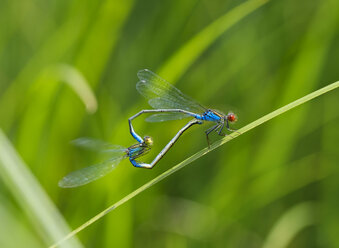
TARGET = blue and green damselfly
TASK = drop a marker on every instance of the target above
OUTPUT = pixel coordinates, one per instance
(171, 104)
(117, 153)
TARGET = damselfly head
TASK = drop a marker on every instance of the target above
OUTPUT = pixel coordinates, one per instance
(148, 140)
(231, 117)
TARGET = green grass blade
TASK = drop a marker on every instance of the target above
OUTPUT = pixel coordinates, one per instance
(188, 53)
(303, 77)
(14, 224)
(31, 196)
(80, 86)
(200, 154)
(57, 45)
(290, 224)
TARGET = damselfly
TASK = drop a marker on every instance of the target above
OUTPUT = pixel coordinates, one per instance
(117, 153)
(172, 104)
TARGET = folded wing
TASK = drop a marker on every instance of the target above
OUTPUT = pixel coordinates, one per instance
(163, 95)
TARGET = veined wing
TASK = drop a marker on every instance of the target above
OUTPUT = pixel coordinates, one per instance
(162, 94)
(166, 117)
(89, 174)
(98, 145)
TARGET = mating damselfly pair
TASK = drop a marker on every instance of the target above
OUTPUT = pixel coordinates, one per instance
(168, 103)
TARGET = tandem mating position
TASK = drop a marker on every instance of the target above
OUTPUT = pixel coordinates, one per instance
(168, 103)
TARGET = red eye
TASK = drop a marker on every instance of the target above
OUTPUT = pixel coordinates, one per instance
(231, 117)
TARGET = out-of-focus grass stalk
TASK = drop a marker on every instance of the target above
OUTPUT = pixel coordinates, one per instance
(30, 195)
(188, 53)
(290, 224)
(303, 77)
(200, 154)
(72, 77)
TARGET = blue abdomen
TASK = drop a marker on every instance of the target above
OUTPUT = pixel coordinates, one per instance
(134, 163)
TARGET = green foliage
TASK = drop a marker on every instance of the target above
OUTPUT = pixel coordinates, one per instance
(62, 60)
(202, 153)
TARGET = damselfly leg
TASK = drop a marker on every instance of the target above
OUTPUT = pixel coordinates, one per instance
(208, 131)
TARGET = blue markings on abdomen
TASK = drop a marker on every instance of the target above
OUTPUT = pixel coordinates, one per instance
(134, 163)
(137, 137)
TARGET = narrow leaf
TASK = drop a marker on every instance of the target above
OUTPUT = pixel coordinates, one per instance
(200, 154)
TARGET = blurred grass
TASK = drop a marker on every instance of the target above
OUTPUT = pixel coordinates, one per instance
(292, 222)
(198, 155)
(182, 59)
(31, 196)
(281, 51)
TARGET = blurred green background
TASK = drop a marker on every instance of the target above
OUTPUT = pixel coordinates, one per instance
(276, 186)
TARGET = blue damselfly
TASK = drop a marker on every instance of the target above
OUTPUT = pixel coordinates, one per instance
(171, 104)
(117, 153)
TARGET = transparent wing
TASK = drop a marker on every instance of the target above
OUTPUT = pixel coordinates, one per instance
(138, 150)
(89, 174)
(98, 145)
(166, 117)
(162, 94)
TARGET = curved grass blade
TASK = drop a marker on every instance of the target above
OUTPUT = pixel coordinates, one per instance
(78, 83)
(200, 154)
(188, 53)
(290, 224)
(32, 198)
